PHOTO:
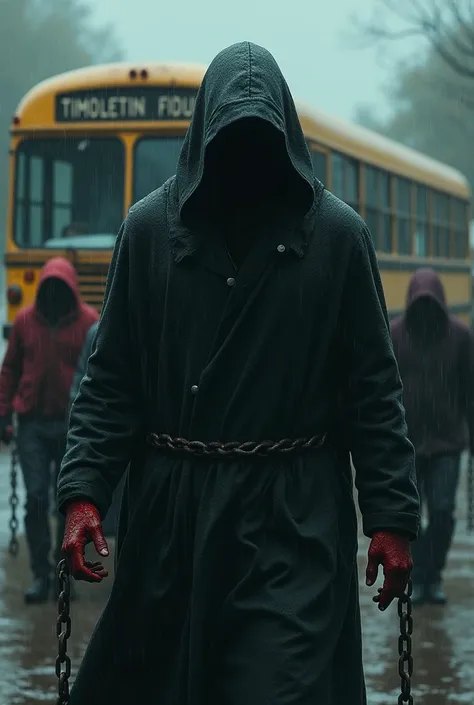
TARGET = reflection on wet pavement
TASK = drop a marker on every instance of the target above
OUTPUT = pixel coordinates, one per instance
(443, 645)
(443, 639)
(28, 643)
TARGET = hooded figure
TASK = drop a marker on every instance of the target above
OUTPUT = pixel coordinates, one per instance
(234, 369)
(37, 372)
(435, 355)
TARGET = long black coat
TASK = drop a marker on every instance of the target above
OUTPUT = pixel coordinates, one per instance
(236, 580)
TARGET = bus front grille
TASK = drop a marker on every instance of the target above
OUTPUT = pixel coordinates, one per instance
(92, 278)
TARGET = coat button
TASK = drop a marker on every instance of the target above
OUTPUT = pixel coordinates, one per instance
(281, 248)
(194, 389)
(230, 281)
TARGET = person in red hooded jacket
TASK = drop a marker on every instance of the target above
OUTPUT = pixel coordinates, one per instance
(37, 372)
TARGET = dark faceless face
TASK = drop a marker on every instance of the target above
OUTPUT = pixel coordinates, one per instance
(247, 161)
(426, 317)
(55, 299)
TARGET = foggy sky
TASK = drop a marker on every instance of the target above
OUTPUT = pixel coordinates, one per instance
(305, 36)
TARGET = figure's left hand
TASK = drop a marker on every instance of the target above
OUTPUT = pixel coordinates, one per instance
(392, 551)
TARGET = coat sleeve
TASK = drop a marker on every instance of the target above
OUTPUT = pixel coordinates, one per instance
(382, 455)
(82, 362)
(105, 416)
(11, 370)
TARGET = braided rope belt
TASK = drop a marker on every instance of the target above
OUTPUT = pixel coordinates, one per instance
(233, 449)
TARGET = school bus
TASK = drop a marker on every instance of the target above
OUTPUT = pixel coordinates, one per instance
(417, 209)
(87, 144)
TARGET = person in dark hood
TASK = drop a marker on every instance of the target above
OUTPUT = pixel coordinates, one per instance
(235, 370)
(35, 378)
(435, 355)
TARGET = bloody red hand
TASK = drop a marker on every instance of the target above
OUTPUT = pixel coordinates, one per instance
(392, 551)
(83, 525)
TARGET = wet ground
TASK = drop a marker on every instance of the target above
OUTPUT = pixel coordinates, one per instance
(443, 641)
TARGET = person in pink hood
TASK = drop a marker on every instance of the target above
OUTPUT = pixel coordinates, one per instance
(35, 379)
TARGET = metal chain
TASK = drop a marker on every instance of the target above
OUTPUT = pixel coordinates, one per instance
(14, 546)
(405, 660)
(63, 632)
(164, 442)
(470, 495)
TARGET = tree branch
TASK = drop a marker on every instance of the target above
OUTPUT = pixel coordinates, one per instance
(452, 61)
(466, 33)
(448, 25)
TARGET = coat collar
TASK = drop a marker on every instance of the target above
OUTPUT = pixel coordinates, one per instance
(289, 240)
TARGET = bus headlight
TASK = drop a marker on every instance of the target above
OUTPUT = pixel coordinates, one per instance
(14, 295)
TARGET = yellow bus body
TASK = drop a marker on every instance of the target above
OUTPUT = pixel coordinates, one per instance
(36, 118)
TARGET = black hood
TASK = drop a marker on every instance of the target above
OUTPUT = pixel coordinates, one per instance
(244, 82)
(425, 283)
(427, 315)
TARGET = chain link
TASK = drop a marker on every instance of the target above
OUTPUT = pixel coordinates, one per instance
(405, 660)
(233, 449)
(470, 495)
(63, 632)
(14, 546)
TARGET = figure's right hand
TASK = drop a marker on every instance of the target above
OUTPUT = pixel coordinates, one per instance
(82, 526)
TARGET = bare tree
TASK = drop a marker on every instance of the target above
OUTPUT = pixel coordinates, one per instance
(425, 116)
(448, 25)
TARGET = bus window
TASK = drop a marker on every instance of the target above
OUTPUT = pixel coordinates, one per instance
(20, 176)
(345, 179)
(460, 228)
(403, 212)
(351, 185)
(319, 160)
(378, 214)
(36, 180)
(338, 175)
(156, 159)
(421, 228)
(64, 182)
(387, 217)
(35, 168)
(62, 197)
(373, 215)
(441, 227)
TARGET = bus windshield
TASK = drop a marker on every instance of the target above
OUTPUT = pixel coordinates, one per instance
(156, 159)
(69, 192)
